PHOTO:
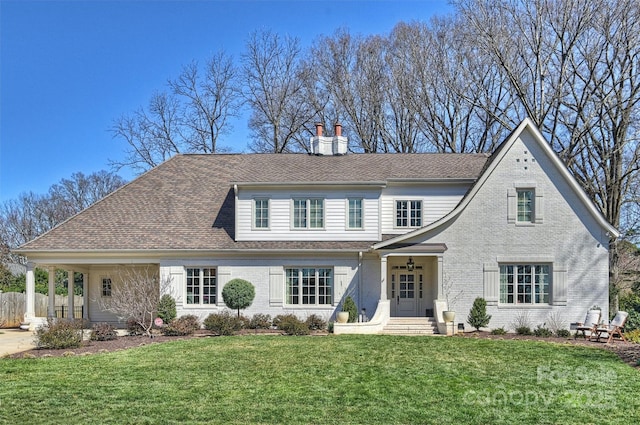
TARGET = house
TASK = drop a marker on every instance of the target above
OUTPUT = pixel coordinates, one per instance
(397, 232)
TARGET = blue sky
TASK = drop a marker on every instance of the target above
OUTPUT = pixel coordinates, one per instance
(69, 68)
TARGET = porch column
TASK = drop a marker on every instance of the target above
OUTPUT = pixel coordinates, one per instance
(85, 296)
(70, 306)
(440, 277)
(383, 278)
(30, 299)
(51, 292)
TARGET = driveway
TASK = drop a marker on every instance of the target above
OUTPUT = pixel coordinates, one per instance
(15, 341)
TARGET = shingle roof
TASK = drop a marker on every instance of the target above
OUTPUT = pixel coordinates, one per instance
(187, 203)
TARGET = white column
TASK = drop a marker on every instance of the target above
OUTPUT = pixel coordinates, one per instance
(85, 296)
(51, 292)
(30, 300)
(383, 278)
(440, 277)
(70, 296)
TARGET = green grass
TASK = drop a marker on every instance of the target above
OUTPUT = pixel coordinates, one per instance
(335, 379)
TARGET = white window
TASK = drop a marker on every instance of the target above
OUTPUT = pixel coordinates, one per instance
(526, 204)
(261, 213)
(408, 213)
(106, 287)
(201, 286)
(524, 284)
(308, 213)
(355, 213)
(309, 286)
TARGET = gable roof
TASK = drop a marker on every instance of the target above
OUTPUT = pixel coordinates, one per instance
(187, 203)
(491, 164)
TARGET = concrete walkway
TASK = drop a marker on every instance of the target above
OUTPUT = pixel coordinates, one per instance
(15, 341)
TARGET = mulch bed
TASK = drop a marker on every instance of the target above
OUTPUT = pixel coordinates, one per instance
(628, 352)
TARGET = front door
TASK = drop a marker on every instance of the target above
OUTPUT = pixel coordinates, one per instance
(404, 294)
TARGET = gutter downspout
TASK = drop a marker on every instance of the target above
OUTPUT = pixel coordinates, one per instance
(360, 282)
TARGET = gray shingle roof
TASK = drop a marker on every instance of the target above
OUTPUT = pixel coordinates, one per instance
(187, 203)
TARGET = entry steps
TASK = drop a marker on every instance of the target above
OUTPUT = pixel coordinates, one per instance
(411, 326)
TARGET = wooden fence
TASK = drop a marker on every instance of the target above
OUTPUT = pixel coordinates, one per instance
(12, 307)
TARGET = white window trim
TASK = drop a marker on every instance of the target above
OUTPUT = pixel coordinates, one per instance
(329, 306)
(201, 284)
(253, 213)
(395, 213)
(529, 262)
(347, 227)
(308, 228)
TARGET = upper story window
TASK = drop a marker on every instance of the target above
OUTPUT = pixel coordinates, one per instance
(261, 213)
(355, 213)
(106, 286)
(308, 213)
(524, 284)
(526, 204)
(201, 286)
(309, 286)
(408, 213)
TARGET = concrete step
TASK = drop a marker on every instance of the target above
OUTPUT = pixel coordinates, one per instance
(411, 326)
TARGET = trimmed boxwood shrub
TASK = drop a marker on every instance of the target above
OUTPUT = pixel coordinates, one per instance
(563, 333)
(59, 333)
(223, 323)
(291, 325)
(167, 308)
(260, 321)
(315, 323)
(350, 306)
(103, 332)
(541, 331)
(498, 331)
(523, 330)
(182, 326)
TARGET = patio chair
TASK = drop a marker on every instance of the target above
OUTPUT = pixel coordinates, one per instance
(615, 328)
(590, 324)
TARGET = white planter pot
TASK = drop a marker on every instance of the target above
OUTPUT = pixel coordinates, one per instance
(449, 316)
(342, 317)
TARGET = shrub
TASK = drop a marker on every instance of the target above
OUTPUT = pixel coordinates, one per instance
(238, 294)
(330, 327)
(478, 316)
(167, 308)
(260, 321)
(134, 328)
(59, 333)
(223, 323)
(633, 336)
(562, 333)
(183, 325)
(522, 320)
(315, 323)
(523, 330)
(631, 304)
(556, 323)
(280, 318)
(244, 322)
(103, 332)
(291, 325)
(350, 306)
(498, 331)
(542, 331)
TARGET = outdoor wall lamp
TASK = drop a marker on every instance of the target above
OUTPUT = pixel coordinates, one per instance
(410, 264)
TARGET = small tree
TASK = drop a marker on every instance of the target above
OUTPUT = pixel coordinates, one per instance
(167, 308)
(350, 306)
(238, 294)
(478, 316)
(135, 295)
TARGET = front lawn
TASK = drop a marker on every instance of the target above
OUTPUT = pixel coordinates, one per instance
(334, 379)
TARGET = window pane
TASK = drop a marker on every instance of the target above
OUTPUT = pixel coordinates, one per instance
(355, 213)
(261, 213)
(300, 213)
(402, 214)
(106, 287)
(525, 206)
(293, 286)
(209, 286)
(416, 213)
(316, 213)
(308, 286)
(193, 286)
(325, 286)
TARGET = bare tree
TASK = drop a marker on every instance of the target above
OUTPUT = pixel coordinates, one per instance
(209, 101)
(189, 119)
(274, 90)
(135, 295)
